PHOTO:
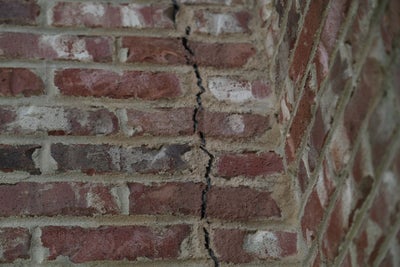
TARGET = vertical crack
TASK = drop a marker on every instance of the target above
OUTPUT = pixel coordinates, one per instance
(190, 60)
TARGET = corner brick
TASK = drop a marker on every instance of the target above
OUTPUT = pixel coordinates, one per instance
(114, 243)
(168, 198)
(57, 121)
(241, 246)
(18, 158)
(56, 47)
(109, 15)
(20, 81)
(19, 12)
(93, 159)
(15, 244)
(53, 199)
(130, 84)
(249, 164)
(240, 203)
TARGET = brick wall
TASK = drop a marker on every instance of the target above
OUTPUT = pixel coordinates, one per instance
(199, 133)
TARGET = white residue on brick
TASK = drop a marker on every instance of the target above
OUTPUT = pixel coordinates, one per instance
(321, 189)
(121, 195)
(220, 23)
(264, 244)
(131, 16)
(347, 200)
(34, 118)
(66, 46)
(235, 123)
(94, 200)
(160, 155)
(96, 10)
(231, 90)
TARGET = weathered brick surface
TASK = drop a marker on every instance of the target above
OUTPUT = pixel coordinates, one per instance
(106, 158)
(15, 244)
(239, 246)
(21, 12)
(20, 81)
(109, 15)
(169, 198)
(57, 121)
(51, 199)
(114, 243)
(241, 203)
(18, 158)
(57, 47)
(103, 83)
(249, 164)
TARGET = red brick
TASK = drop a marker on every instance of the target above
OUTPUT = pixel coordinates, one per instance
(109, 15)
(167, 198)
(241, 246)
(301, 120)
(222, 55)
(361, 244)
(240, 203)
(18, 158)
(52, 199)
(336, 15)
(249, 164)
(65, 47)
(363, 97)
(20, 12)
(114, 243)
(312, 21)
(20, 81)
(213, 2)
(390, 24)
(154, 50)
(217, 23)
(220, 124)
(172, 51)
(164, 121)
(57, 121)
(93, 159)
(312, 217)
(14, 243)
(130, 84)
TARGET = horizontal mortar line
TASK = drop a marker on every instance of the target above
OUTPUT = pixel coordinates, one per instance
(106, 179)
(111, 66)
(390, 238)
(118, 1)
(139, 220)
(87, 31)
(121, 32)
(99, 140)
(281, 263)
(355, 227)
(97, 221)
(88, 103)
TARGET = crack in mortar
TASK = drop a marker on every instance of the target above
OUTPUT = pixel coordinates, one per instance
(190, 61)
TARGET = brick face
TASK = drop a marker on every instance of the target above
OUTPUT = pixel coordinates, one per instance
(199, 132)
(15, 244)
(113, 243)
(102, 83)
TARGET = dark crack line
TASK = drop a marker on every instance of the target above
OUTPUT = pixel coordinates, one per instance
(190, 60)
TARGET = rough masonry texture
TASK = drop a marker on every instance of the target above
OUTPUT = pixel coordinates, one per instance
(200, 133)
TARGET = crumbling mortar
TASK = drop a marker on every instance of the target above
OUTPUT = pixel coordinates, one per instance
(190, 60)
